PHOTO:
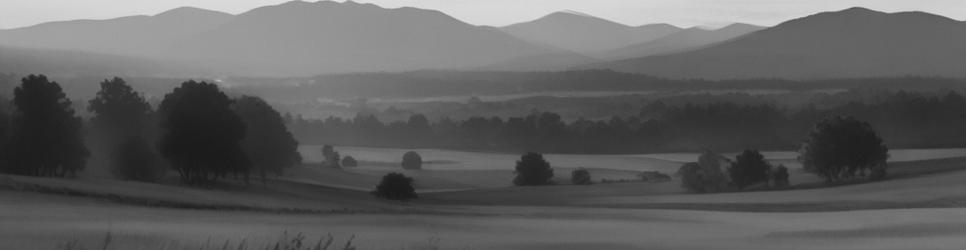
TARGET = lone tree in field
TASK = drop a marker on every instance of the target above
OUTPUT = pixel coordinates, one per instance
(135, 159)
(748, 169)
(580, 177)
(268, 144)
(842, 147)
(533, 170)
(118, 109)
(412, 160)
(396, 186)
(46, 134)
(202, 134)
(780, 176)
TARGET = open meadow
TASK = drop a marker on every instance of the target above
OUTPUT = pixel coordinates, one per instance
(921, 207)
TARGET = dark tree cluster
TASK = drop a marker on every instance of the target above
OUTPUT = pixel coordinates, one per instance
(910, 120)
(580, 177)
(533, 170)
(705, 175)
(121, 118)
(749, 168)
(844, 148)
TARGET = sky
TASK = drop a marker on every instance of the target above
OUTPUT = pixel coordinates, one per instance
(684, 13)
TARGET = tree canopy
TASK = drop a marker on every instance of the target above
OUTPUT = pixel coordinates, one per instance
(268, 144)
(47, 139)
(119, 109)
(841, 148)
(202, 134)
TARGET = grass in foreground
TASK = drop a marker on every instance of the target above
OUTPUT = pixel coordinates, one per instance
(285, 241)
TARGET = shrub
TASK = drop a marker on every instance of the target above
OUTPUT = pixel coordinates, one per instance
(533, 170)
(412, 160)
(135, 160)
(348, 161)
(396, 186)
(580, 177)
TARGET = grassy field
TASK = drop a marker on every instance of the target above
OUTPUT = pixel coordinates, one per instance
(920, 207)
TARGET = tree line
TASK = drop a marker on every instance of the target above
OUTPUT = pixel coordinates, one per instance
(904, 119)
(203, 133)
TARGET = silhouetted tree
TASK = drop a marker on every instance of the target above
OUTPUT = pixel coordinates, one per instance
(134, 159)
(839, 147)
(117, 108)
(396, 186)
(268, 144)
(780, 176)
(533, 170)
(412, 160)
(580, 177)
(349, 161)
(202, 133)
(749, 168)
(47, 138)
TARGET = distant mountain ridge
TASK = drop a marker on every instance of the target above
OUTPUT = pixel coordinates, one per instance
(688, 39)
(584, 33)
(298, 38)
(851, 43)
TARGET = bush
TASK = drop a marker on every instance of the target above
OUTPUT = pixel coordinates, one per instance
(780, 176)
(135, 160)
(412, 160)
(580, 177)
(748, 169)
(348, 161)
(396, 186)
(533, 170)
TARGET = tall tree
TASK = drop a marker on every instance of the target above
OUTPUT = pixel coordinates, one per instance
(118, 108)
(268, 144)
(839, 147)
(47, 139)
(202, 134)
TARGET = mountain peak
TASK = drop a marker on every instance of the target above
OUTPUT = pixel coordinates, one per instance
(189, 11)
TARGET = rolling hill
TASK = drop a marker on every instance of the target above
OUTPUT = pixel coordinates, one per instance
(851, 43)
(585, 34)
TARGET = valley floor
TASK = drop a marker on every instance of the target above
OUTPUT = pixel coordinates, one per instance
(922, 207)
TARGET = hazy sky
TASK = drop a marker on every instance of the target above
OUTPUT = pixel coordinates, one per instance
(18, 13)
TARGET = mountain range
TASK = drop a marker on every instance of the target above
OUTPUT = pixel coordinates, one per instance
(852, 43)
(311, 38)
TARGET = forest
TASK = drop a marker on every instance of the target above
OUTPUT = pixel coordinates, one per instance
(904, 119)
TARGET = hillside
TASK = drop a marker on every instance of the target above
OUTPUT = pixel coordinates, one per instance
(855, 42)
